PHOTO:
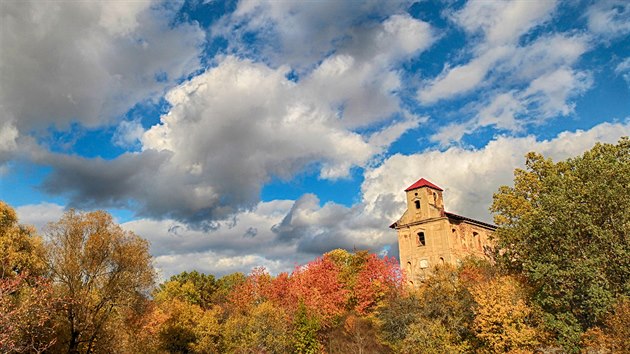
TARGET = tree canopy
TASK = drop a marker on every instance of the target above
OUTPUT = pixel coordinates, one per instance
(101, 270)
(566, 227)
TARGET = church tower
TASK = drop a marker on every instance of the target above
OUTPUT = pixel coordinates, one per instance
(424, 201)
(429, 236)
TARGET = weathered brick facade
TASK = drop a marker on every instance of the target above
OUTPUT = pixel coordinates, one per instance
(428, 235)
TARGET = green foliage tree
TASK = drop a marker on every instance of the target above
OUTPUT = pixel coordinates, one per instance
(305, 332)
(194, 288)
(101, 271)
(566, 227)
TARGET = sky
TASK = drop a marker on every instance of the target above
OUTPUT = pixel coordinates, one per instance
(236, 134)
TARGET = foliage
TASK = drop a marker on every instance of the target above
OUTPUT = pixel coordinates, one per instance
(613, 336)
(305, 331)
(187, 328)
(20, 248)
(431, 336)
(100, 270)
(194, 287)
(26, 315)
(435, 316)
(377, 280)
(395, 317)
(504, 320)
(264, 328)
(566, 227)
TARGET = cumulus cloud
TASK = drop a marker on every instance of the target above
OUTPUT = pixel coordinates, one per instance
(128, 133)
(39, 215)
(470, 177)
(230, 246)
(289, 233)
(302, 33)
(347, 54)
(228, 131)
(88, 62)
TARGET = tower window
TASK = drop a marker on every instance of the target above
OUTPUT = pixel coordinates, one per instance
(421, 240)
(417, 204)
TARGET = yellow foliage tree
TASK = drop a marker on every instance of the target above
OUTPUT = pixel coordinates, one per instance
(102, 271)
(21, 249)
(184, 327)
(265, 328)
(503, 318)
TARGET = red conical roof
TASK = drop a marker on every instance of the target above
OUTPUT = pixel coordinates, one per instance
(422, 183)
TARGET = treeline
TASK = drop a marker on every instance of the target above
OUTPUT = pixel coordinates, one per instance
(559, 282)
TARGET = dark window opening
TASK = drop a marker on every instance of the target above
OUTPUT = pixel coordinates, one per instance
(417, 204)
(421, 240)
(476, 236)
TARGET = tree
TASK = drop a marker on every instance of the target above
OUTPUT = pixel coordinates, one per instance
(20, 248)
(194, 287)
(27, 304)
(613, 337)
(27, 310)
(566, 227)
(101, 271)
(504, 320)
(263, 328)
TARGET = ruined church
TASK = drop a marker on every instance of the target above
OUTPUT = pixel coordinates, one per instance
(428, 235)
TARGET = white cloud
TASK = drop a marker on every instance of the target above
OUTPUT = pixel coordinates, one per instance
(470, 177)
(302, 33)
(524, 85)
(609, 18)
(281, 234)
(39, 215)
(503, 22)
(128, 133)
(228, 131)
(88, 62)
(462, 78)
(623, 69)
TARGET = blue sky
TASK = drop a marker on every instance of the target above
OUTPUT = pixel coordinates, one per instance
(233, 134)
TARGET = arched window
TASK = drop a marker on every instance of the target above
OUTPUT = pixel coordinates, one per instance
(417, 204)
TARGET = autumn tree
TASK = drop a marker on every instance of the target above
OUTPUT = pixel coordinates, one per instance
(566, 227)
(504, 320)
(101, 271)
(27, 303)
(192, 287)
(612, 336)
(264, 328)
(21, 249)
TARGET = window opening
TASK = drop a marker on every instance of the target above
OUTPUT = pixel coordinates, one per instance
(417, 204)
(421, 240)
(476, 236)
